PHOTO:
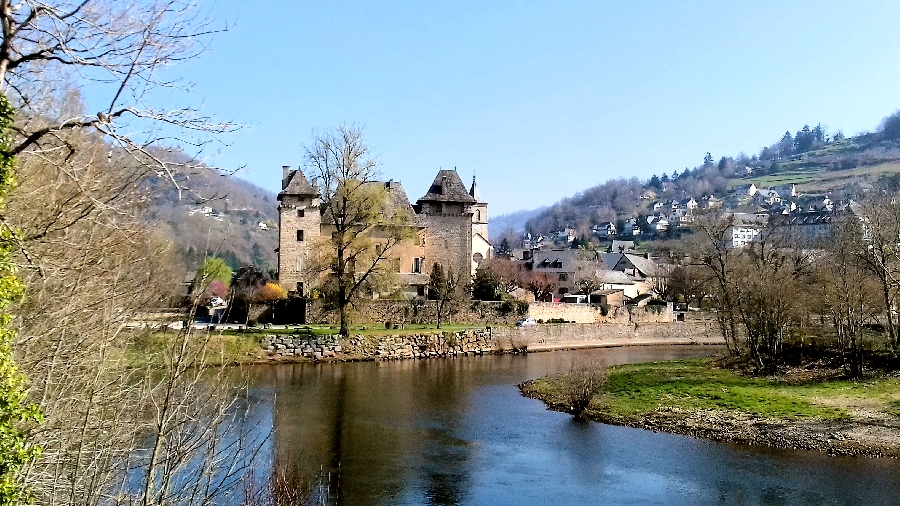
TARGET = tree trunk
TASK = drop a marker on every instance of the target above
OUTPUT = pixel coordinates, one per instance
(890, 319)
(342, 309)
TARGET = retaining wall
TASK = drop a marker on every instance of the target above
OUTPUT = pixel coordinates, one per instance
(490, 340)
(417, 311)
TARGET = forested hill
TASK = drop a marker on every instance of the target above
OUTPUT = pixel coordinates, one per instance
(816, 161)
(219, 215)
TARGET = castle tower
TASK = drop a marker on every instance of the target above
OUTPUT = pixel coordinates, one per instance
(479, 212)
(481, 246)
(299, 226)
(448, 211)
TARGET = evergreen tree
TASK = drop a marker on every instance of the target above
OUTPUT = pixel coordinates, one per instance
(504, 249)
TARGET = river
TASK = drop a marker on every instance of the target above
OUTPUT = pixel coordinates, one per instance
(457, 431)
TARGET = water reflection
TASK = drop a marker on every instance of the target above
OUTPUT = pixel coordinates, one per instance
(449, 432)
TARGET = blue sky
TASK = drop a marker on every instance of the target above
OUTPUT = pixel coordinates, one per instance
(540, 99)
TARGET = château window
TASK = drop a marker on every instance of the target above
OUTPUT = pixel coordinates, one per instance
(417, 265)
(563, 276)
(299, 235)
(477, 215)
(301, 212)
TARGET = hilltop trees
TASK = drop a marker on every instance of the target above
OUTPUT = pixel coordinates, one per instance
(366, 227)
(890, 127)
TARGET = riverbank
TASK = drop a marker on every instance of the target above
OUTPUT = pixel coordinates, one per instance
(697, 398)
(319, 343)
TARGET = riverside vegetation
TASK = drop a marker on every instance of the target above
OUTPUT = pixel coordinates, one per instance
(803, 408)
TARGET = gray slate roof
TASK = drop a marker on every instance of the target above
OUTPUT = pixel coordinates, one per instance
(298, 185)
(448, 187)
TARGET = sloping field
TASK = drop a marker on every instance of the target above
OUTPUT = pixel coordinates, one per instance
(821, 181)
(839, 178)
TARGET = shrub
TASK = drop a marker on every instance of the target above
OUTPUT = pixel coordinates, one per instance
(580, 385)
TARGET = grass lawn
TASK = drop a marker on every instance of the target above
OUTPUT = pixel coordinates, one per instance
(630, 391)
(151, 349)
(234, 346)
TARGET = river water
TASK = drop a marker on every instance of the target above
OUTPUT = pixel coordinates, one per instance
(457, 431)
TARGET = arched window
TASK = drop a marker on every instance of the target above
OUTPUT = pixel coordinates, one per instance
(478, 215)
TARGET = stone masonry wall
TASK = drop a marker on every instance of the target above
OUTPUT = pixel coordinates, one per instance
(420, 311)
(488, 340)
(487, 313)
(449, 242)
(426, 345)
(699, 331)
(588, 313)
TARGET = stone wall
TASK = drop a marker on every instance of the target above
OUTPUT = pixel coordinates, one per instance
(589, 313)
(449, 241)
(698, 331)
(490, 340)
(395, 347)
(417, 311)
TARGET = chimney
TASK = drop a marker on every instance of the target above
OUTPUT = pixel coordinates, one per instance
(443, 185)
(285, 174)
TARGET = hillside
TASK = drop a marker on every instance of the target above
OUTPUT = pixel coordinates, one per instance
(218, 215)
(818, 164)
(513, 221)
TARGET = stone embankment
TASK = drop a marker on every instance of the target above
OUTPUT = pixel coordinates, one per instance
(393, 347)
(489, 340)
(302, 346)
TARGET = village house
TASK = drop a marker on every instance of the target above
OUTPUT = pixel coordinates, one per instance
(745, 228)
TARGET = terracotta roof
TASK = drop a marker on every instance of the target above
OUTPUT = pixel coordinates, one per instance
(298, 185)
(448, 187)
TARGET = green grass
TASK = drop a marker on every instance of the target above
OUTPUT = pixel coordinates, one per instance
(631, 391)
(152, 349)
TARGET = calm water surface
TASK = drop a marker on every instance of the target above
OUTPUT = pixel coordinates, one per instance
(456, 431)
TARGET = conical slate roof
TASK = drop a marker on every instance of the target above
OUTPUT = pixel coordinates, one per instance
(298, 185)
(474, 193)
(448, 187)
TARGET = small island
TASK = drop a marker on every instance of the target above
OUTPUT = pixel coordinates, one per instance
(798, 408)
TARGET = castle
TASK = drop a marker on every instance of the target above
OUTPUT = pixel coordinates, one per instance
(451, 223)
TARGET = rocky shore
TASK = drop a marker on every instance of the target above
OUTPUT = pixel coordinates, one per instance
(865, 433)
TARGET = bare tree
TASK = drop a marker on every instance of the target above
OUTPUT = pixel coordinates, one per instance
(364, 222)
(120, 48)
(880, 220)
(848, 291)
(93, 272)
(541, 284)
(710, 247)
(446, 288)
(580, 384)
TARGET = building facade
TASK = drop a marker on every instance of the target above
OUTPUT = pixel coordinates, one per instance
(451, 229)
